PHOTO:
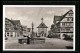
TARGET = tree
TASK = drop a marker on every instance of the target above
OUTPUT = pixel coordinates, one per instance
(52, 26)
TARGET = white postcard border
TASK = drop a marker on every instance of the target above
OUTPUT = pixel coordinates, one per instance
(37, 49)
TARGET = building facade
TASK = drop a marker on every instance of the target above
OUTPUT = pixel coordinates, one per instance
(64, 24)
(9, 28)
(42, 29)
(12, 28)
(24, 30)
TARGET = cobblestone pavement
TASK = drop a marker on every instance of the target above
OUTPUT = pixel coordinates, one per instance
(50, 43)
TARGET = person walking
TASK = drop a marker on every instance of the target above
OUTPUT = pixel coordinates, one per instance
(28, 40)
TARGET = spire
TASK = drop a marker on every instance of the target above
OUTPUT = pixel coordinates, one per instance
(42, 25)
(42, 19)
(11, 19)
(32, 24)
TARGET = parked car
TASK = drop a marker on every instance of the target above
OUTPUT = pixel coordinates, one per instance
(67, 37)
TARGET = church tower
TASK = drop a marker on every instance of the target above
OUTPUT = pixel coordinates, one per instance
(42, 29)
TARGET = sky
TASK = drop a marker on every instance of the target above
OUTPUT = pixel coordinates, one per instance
(27, 15)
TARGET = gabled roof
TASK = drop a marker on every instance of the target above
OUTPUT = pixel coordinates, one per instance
(42, 25)
(23, 27)
(6, 18)
(57, 18)
(9, 20)
(63, 16)
(15, 22)
(70, 11)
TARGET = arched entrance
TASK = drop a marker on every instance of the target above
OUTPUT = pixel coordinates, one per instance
(42, 33)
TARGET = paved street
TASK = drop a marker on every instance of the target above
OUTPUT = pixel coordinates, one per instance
(50, 43)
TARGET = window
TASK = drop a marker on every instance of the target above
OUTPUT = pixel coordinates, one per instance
(7, 28)
(11, 35)
(71, 24)
(42, 24)
(12, 29)
(67, 29)
(18, 35)
(67, 19)
(7, 35)
(68, 24)
(7, 32)
(71, 29)
(71, 14)
(62, 29)
(63, 24)
(16, 25)
(7, 25)
(11, 32)
(10, 25)
(72, 19)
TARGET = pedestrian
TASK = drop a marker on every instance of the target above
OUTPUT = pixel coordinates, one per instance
(28, 41)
